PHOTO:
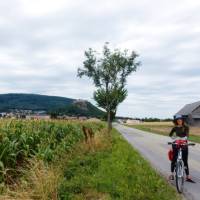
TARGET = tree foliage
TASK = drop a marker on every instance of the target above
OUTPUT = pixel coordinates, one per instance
(109, 74)
(114, 96)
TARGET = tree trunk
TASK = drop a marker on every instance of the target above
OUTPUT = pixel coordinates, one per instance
(109, 121)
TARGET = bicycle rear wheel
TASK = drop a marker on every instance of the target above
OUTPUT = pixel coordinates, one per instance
(180, 176)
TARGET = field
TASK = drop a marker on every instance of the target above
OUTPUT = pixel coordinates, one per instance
(49, 160)
(164, 128)
(25, 142)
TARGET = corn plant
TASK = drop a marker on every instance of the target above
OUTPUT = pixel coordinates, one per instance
(22, 139)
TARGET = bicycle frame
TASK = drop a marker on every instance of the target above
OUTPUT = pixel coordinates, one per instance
(179, 160)
(179, 167)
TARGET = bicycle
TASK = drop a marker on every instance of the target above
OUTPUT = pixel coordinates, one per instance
(179, 167)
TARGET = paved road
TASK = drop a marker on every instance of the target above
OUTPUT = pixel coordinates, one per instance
(154, 148)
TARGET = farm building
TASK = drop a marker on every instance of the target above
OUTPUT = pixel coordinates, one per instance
(191, 113)
(132, 121)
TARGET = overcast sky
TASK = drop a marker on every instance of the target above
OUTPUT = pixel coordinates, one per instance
(42, 44)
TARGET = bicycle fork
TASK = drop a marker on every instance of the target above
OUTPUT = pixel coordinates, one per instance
(180, 164)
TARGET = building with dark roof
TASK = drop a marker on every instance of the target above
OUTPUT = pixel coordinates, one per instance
(191, 113)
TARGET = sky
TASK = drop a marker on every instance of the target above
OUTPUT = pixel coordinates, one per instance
(42, 43)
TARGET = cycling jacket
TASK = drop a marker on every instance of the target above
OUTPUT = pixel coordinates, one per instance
(182, 131)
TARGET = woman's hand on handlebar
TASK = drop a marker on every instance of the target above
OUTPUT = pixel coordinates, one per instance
(173, 138)
(185, 138)
(179, 138)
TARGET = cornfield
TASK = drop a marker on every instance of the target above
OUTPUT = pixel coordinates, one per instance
(22, 139)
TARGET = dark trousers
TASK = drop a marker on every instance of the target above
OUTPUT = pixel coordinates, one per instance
(185, 158)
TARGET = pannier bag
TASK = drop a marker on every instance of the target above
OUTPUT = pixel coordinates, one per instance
(170, 154)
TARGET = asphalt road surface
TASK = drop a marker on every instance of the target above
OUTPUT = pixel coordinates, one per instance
(154, 148)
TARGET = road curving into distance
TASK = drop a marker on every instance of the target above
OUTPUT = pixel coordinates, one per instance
(154, 148)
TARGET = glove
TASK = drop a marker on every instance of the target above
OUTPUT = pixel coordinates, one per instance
(185, 138)
(173, 137)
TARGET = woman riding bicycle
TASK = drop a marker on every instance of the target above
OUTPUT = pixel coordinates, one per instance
(181, 131)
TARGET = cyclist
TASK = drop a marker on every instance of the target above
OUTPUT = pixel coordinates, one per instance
(182, 131)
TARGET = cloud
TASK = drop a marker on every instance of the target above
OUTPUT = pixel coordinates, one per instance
(42, 45)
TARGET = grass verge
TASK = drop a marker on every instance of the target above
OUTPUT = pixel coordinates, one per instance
(158, 130)
(112, 169)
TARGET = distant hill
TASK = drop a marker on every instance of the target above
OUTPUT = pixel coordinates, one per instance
(50, 104)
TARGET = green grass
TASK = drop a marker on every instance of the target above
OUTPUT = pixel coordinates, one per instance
(195, 138)
(112, 171)
(148, 128)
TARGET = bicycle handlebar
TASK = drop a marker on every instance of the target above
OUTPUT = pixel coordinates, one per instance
(192, 144)
(187, 144)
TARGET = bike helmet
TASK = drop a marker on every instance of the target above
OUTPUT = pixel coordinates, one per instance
(176, 117)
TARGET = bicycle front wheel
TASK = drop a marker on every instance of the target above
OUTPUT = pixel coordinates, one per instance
(180, 176)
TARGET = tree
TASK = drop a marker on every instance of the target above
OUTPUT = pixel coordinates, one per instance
(109, 74)
(110, 100)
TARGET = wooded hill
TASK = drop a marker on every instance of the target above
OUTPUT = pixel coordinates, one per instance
(50, 104)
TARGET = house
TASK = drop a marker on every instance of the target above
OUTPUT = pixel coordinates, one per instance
(191, 113)
(82, 118)
(38, 116)
(66, 117)
(3, 115)
(132, 121)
